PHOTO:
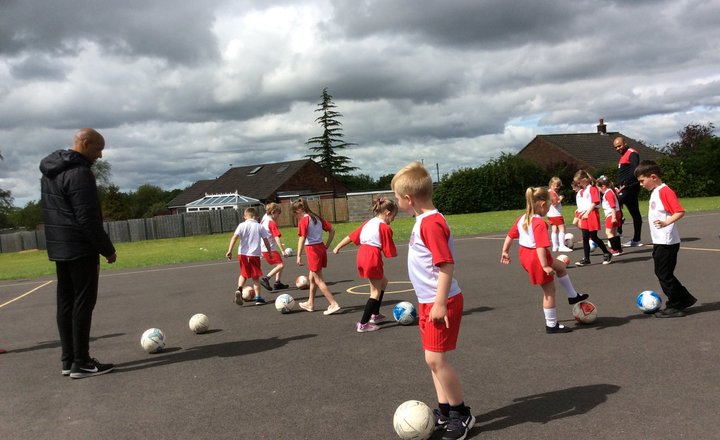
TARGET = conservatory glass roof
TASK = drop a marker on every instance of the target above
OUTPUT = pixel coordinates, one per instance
(223, 200)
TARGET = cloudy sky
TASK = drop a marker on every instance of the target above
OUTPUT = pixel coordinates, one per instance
(183, 89)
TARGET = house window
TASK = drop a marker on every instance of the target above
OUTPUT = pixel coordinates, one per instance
(282, 168)
(255, 170)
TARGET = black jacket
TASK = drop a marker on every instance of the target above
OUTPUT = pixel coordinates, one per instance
(71, 208)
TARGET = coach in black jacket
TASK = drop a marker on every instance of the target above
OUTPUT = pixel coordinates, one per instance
(75, 240)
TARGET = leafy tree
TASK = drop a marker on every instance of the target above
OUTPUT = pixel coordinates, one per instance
(116, 205)
(6, 205)
(325, 147)
(101, 170)
(360, 182)
(146, 196)
(383, 182)
(28, 217)
(691, 137)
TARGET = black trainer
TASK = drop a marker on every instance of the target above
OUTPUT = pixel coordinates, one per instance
(578, 298)
(66, 367)
(458, 426)
(265, 282)
(559, 328)
(607, 258)
(688, 303)
(441, 420)
(669, 312)
(278, 285)
(89, 369)
(583, 262)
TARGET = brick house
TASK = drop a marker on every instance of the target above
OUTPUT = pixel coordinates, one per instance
(278, 182)
(589, 151)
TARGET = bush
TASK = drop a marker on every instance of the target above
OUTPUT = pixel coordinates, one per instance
(498, 185)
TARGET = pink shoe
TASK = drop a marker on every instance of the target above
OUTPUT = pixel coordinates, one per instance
(369, 327)
(377, 319)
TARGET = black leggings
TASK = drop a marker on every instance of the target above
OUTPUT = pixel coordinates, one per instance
(592, 235)
(628, 198)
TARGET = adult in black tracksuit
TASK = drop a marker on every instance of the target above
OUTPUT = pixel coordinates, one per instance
(629, 187)
(75, 240)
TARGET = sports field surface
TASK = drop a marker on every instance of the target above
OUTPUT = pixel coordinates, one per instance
(259, 374)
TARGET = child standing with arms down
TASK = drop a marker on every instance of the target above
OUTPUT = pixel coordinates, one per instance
(251, 234)
(273, 255)
(664, 210)
(613, 213)
(531, 232)
(310, 231)
(431, 265)
(555, 217)
(375, 239)
(589, 217)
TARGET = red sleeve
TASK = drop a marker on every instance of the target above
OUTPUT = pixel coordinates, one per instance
(303, 226)
(513, 232)
(274, 229)
(386, 240)
(611, 198)
(555, 198)
(355, 235)
(436, 235)
(326, 225)
(540, 232)
(594, 195)
(670, 201)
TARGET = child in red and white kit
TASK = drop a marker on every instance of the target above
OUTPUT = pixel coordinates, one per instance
(273, 255)
(250, 234)
(589, 204)
(613, 214)
(375, 239)
(310, 231)
(555, 217)
(531, 232)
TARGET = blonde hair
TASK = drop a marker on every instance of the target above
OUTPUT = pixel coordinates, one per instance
(252, 212)
(582, 174)
(382, 204)
(300, 205)
(553, 180)
(534, 195)
(413, 180)
(272, 207)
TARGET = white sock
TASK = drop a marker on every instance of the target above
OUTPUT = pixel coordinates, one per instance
(554, 239)
(568, 286)
(561, 239)
(550, 317)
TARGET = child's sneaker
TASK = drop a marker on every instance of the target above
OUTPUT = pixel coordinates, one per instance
(332, 309)
(259, 300)
(369, 327)
(583, 262)
(278, 285)
(265, 282)
(563, 248)
(441, 419)
(458, 426)
(559, 328)
(66, 368)
(238, 297)
(614, 252)
(377, 319)
(554, 248)
(607, 258)
(90, 368)
(578, 298)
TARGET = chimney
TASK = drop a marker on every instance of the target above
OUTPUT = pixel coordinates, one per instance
(601, 127)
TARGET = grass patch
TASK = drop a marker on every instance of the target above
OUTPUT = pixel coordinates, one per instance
(34, 263)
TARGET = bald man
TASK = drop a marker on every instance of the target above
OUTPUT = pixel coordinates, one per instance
(75, 240)
(629, 187)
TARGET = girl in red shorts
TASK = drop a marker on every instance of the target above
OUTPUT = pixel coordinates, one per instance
(555, 216)
(310, 231)
(273, 255)
(590, 217)
(613, 213)
(375, 240)
(531, 232)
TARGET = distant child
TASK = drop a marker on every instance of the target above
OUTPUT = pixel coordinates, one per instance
(310, 231)
(589, 217)
(613, 213)
(431, 264)
(273, 255)
(531, 232)
(251, 234)
(555, 217)
(375, 239)
(664, 210)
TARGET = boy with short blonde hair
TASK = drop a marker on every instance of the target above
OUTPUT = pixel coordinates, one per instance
(439, 297)
(664, 210)
(251, 234)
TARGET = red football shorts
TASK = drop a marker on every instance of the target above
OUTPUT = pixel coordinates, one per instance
(435, 336)
(250, 266)
(316, 256)
(272, 257)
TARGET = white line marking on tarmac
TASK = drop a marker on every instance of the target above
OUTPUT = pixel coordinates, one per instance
(25, 294)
